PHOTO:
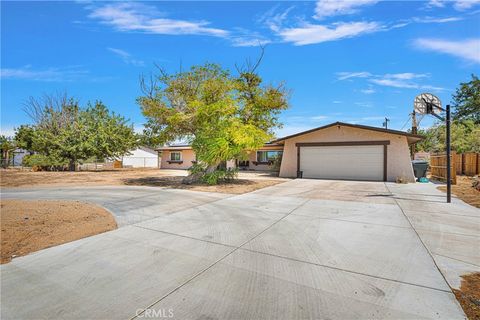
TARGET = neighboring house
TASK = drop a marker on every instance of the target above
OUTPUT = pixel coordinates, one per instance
(142, 157)
(18, 155)
(335, 151)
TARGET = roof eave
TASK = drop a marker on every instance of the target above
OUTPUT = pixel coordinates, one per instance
(389, 131)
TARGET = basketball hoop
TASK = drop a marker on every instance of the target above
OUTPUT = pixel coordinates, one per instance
(427, 103)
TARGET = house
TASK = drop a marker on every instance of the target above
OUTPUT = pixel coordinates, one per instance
(335, 151)
(142, 157)
(183, 156)
(18, 155)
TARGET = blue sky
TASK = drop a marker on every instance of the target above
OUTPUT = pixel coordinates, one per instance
(352, 61)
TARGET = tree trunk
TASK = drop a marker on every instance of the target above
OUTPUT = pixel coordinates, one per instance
(197, 177)
(7, 158)
(72, 165)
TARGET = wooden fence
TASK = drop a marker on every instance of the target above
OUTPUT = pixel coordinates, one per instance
(438, 166)
(467, 164)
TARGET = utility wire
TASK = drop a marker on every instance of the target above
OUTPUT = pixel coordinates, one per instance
(406, 122)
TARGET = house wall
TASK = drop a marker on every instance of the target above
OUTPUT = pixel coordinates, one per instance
(398, 154)
(253, 158)
(187, 157)
(18, 156)
(141, 159)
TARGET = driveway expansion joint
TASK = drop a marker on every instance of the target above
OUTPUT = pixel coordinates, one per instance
(137, 315)
(345, 270)
(421, 241)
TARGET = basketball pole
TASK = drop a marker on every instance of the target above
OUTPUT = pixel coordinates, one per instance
(449, 162)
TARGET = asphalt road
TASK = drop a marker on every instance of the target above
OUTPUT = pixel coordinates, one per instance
(300, 249)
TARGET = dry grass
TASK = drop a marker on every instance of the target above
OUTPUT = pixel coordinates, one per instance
(469, 295)
(29, 226)
(12, 178)
(247, 182)
(238, 186)
(465, 191)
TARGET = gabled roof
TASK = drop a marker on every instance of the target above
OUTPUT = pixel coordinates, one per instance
(175, 147)
(147, 149)
(413, 137)
(188, 147)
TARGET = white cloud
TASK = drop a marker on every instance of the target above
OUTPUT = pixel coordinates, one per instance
(436, 4)
(463, 5)
(460, 5)
(127, 57)
(349, 75)
(328, 8)
(317, 118)
(144, 18)
(467, 49)
(49, 74)
(368, 91)
(402, 83)
(436, 19)
(248, 42)
(241, 37)
(315, 33)
(406, 75)
(394, 83)
(274, 20)
(406, 80)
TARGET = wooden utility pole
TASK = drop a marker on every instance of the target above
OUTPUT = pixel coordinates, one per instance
(385, 123)
(414, 131)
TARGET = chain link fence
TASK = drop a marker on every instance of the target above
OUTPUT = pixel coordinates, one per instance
(127, 162)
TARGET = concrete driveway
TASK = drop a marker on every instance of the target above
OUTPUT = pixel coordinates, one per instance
(300, 249)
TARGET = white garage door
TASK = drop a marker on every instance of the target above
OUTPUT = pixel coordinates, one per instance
(342, 162)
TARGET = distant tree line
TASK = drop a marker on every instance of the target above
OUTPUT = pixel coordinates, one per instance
(465, 128)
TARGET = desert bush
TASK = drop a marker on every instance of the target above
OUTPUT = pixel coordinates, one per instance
(40, 162)
(220, 175)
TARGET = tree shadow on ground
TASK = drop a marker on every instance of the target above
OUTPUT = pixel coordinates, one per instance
(234, 186)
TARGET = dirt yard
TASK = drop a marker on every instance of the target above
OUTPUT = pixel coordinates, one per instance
(29, 226)
(464, 190)
(469, 295)
(247, 182)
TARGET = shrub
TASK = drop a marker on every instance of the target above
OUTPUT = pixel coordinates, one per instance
(220, 175)
(40, 162)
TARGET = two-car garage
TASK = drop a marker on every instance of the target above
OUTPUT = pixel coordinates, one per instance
(348, 152)
(348, 162)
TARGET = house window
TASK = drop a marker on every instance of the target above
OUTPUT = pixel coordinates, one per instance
(268, 156)
(175, 156)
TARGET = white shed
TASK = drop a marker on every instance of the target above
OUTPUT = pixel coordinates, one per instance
(142, 157)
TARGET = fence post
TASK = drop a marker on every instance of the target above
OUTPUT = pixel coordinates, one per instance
(478, 163)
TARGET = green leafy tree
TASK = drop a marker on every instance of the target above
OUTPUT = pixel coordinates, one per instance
(465, 137)
(223, 116)
(466, 101)
(106, 134)
(24, 136)
(65, 132)
(7, 145)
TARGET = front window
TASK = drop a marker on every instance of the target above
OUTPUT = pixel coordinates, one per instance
(268, 156)
(175, 156)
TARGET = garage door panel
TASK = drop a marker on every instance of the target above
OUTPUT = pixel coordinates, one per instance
(342, 162)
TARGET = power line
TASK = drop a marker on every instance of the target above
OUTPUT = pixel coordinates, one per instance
(406, 122)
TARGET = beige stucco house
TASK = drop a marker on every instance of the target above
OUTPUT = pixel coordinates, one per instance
(335, 151)
(182, 157)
